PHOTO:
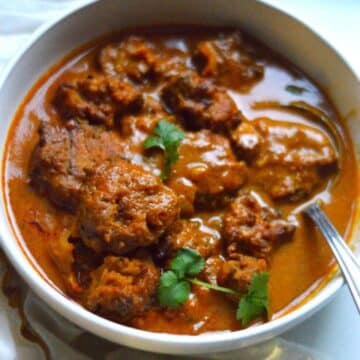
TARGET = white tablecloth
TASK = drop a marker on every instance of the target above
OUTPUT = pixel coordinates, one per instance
(333, 333)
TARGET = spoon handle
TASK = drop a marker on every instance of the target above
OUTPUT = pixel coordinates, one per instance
(349, 265)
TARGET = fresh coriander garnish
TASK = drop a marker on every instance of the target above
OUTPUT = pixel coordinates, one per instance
(174, 288)
(167, 137)
(172, 291)
(187, 262)
(255, 301)
(294, 89)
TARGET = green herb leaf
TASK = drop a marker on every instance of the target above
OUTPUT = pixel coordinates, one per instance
(215, 287)
(168, 279)
(247, 310)
(294, 89)
(255, 302)
(187, 262)
(172, 292)
(153, 141)
(167, 137)
(174, 287)
(258, 288)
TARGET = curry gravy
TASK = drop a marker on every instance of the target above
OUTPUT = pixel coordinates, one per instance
(297, 266)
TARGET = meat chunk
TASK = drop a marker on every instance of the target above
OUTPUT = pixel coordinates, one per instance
(124, 207)
(200, 103)
(230, 61)
(61, 252)
(139, 60)
(206, 171)
(288, 143)
(85, 261)
(141, 125)
(287, 160)
(121, 288)
(64, 159)
(212, 268)
(172, 63)
(247, 140)
(237, 272)
(252, 229)
(72, 258)
(191, 234)
(98, 99)
(136, 128)
(133, 57)
(186, 191)
(292, 183)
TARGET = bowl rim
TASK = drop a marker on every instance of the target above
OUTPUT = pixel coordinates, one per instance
(98, 325)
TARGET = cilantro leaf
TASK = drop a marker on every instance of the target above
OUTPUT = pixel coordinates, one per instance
(175, 285)
(168, 279)
(187, 262)
(294, 89)
(153, 141)
(168, 132)
(255, 301)
(167, 137)
(172, 292)
(247, 310)
(258, 287)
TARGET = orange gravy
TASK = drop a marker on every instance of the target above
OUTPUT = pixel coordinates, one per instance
(296, 266)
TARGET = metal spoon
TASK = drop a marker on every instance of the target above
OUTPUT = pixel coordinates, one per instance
(349, 265)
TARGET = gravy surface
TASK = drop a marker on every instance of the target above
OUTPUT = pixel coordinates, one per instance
(297, 267)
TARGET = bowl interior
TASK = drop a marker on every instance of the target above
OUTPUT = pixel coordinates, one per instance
(53, 41)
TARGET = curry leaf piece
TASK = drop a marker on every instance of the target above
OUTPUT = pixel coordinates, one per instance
(255, 302)
(167, 137)
(172, 292)
(187, 262)
(294, 89)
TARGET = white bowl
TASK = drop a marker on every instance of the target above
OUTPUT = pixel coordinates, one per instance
(280, 31)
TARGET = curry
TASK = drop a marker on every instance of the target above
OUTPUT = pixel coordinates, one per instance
(153, 144)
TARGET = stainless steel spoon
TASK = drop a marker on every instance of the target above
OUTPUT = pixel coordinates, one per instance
(349, 265)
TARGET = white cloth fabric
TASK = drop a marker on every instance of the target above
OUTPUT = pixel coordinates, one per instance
(18, 19)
